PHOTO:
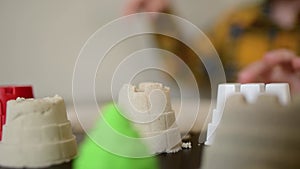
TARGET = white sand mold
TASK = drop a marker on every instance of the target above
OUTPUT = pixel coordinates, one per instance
(250, 92)
(37, 133)
(149, 108)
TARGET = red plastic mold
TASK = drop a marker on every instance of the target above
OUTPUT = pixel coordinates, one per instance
(10, 93)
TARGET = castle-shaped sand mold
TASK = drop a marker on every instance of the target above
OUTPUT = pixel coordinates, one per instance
(149, 108)
(37, 133)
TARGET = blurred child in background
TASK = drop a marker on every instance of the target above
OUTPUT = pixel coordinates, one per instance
(256, 43)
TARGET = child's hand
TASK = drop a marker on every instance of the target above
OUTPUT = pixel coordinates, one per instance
(276, 66)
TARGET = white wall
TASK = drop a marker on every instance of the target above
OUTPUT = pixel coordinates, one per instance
(41, 39)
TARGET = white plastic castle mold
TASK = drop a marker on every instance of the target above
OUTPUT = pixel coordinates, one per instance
(149, 108)
(37, 133)
(256, 135)
(250, 92)
(282, 90)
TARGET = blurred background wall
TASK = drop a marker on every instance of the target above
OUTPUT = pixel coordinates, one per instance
(41, 39)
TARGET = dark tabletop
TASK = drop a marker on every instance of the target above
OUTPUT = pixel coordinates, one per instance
(184, 159)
